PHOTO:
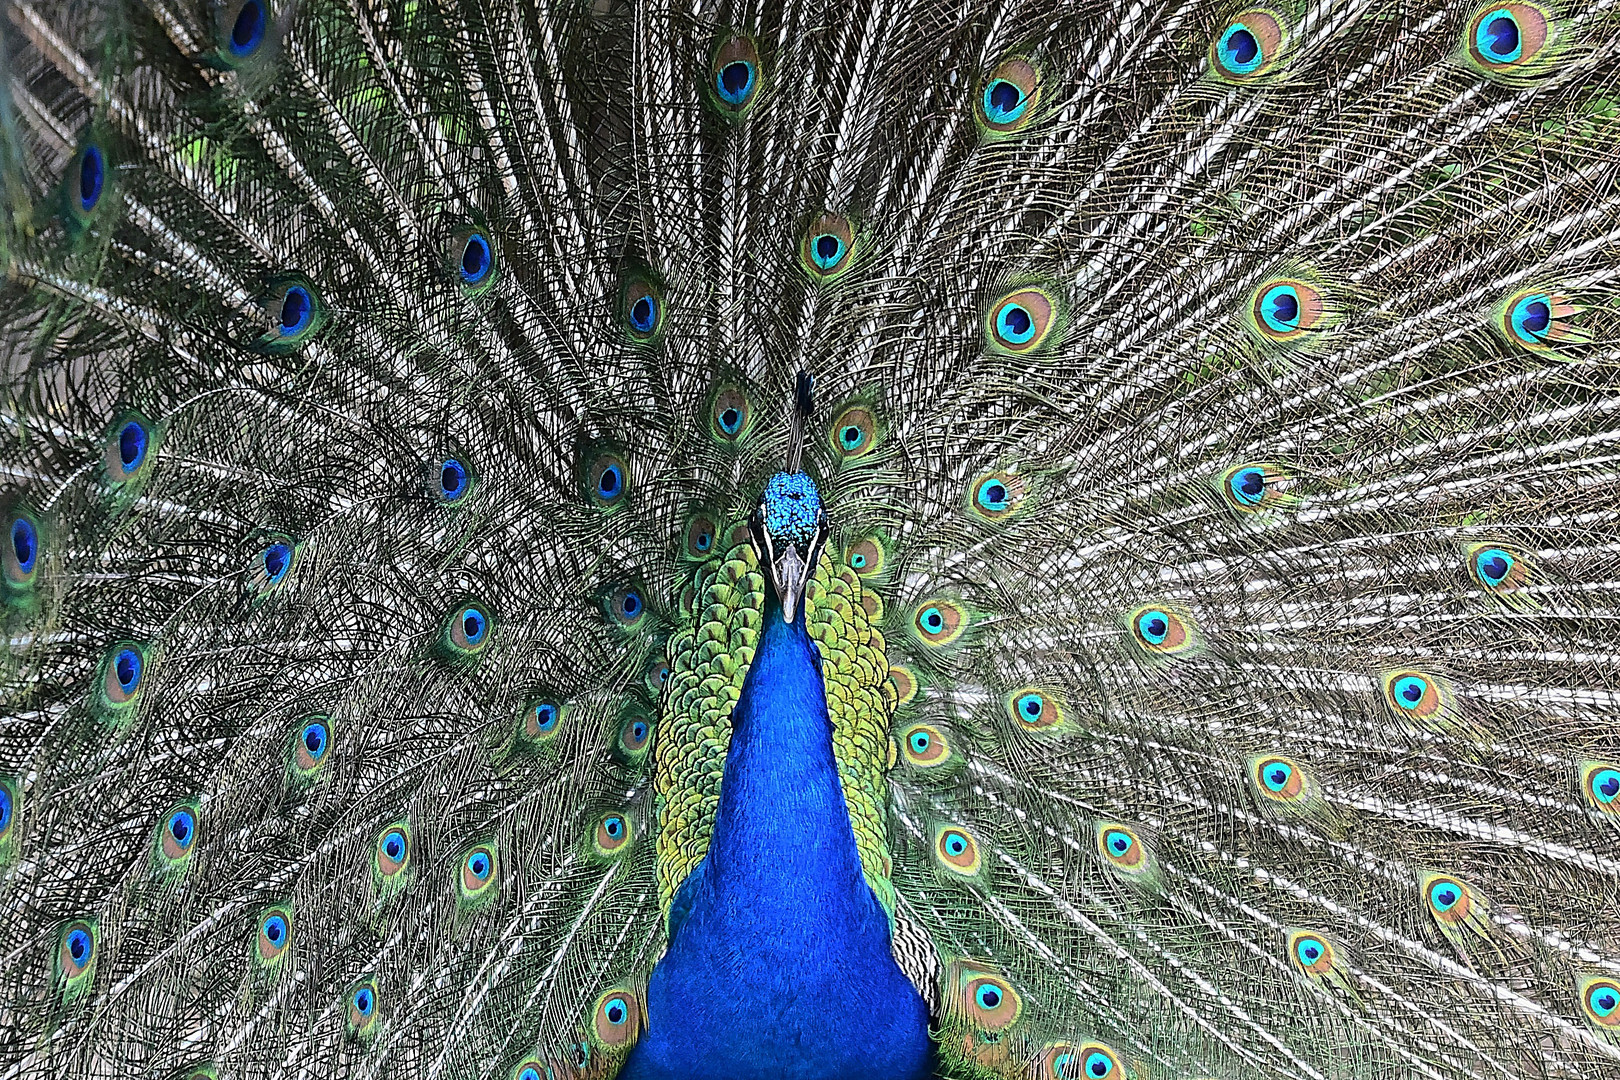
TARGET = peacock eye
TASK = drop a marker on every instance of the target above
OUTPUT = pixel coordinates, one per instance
(1247, 486)
(734, 76)
(76, 950)
(247, 29)
(626, 606)
(182, 832)
(453, 480)
(314, 738)
(988, 997)
(1505, 37)
(126, 669)
(1443, 895)
(1161, 631)
(132, 442)
(1248, 47)
(296, 310)
(476, 259)
(1098, 1065)
(1008, 97)
(1021, 321)
(92, 178)
(1278, 779)
(1285, 309)
(276, 558)
(468, 630)
(393, 851)
(24, 552)
(604, 478)
(939, 622)
(854, 433)
(1602, 785)
(643, 307)
(273, 934)
(612, 833)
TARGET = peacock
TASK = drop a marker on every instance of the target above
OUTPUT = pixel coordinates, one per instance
(562, 539)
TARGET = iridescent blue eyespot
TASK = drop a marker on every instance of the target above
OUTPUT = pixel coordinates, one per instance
(545, 717)
(474, 625)
(364, 1002)
(1497, 37)
(24, 545)
(1309, 950)
(1248, 486)
(1119, 842)
(1004, 101)
(920, 741)
(827, 250)
(1606, 785)
(610, 482)
(735, 82)
(478, 864)
(274, 930)
(1532, 318)
(79, 946)
(614, 1011)
(1276, 776)
(276, 559)
(1279, 307)
(92, 177)
(314, 738)
(296, 311)
(132, 441)
(5, 808)
(1443, 895)
(475, 259)
(730, 420)
(1409, 691)
(987, 996)
(1492, 565)
(394, 844)
(993, 497)
(1603, 1000)
(1099, 1065)
(613, 826)
(1030, 707)
(1239, 50)
(182, 828)
(630, 603)
(528, 1072)
(1153, 626)
(247, 32)
(127, 670)
(453, 482)
(644, 314)
(955, 843)
(1014, 324)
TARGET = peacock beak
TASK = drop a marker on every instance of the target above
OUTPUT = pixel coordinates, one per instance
(790, 568)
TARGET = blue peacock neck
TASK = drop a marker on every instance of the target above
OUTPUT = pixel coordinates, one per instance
(779, 961)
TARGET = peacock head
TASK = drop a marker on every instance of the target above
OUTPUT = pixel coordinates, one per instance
(789, 529)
